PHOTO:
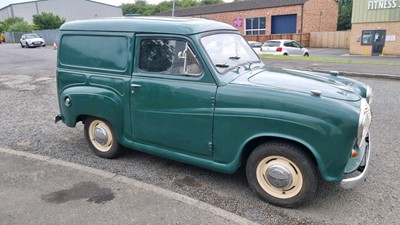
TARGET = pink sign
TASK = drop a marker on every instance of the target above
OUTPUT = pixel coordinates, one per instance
(238, 22)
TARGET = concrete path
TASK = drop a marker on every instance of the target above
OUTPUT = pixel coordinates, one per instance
(40, 190)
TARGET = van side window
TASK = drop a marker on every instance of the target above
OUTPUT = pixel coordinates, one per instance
(167, 56)
(91, 52)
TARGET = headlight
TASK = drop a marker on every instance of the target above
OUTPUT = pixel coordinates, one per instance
(369, 95)
(364, 122)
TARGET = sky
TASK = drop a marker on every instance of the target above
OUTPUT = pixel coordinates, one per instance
(110, 2)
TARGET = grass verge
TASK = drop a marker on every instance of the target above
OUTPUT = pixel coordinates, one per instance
(332, 60)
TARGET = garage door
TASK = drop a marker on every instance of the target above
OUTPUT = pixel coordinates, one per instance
(285, 24)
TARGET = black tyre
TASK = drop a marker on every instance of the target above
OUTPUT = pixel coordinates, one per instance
(282, 174)
(26, 45)
(101, 138)
(306, 54)
(22, 45)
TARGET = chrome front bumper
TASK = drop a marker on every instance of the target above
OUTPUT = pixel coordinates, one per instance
(352, 182)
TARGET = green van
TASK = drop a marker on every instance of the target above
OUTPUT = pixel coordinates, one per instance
(193, 90)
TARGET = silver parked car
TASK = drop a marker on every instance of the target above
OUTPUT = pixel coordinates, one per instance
(31, 40)
(283, 47)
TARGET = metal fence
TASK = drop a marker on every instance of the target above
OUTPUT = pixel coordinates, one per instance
(49, 36)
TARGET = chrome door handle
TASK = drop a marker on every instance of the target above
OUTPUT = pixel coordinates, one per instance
(135, 85)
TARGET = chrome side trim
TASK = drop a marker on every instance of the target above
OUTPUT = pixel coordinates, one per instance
(135, 85)
(353, 182)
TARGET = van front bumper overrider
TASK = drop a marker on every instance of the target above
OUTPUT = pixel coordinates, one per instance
(57, 118)
(352, 182)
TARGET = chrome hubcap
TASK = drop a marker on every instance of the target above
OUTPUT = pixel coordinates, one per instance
(278, 176)
(100, 135)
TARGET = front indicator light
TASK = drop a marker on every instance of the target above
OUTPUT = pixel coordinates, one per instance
(354, 153)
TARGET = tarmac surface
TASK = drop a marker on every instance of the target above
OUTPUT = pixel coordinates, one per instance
(37, 189)
(40, 190)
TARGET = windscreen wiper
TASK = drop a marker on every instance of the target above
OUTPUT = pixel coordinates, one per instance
(222, 65)
(234, 57)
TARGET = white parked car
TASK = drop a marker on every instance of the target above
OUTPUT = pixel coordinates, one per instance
(283, 47)
(31, 40)
(256, 46)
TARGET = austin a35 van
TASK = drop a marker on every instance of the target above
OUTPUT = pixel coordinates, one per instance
(194, 91)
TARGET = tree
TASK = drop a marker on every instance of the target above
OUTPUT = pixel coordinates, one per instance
(164, 6)
(20, 26)
(46, 21)
(141, 7)
(345, 13)
(187, 3)
(210, 2)
(7, 23)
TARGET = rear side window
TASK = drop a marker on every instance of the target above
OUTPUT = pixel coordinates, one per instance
(272, 44)
(288, 44)
(296, 45)
(94, 52)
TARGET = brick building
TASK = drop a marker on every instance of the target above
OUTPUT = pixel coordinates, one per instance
(265, 17)
(375, 27)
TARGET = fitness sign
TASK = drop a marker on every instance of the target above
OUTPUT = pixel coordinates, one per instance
(383, 4)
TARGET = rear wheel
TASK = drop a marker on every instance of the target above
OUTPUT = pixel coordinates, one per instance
(282, 174)
(306, 54)
(101, 138)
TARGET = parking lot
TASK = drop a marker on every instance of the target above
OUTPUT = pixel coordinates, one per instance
(28, 102)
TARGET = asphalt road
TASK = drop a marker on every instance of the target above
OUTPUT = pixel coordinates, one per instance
(28, 104)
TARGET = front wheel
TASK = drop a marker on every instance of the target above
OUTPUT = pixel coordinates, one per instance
(282, 174)
(101, 138)
(306, 54)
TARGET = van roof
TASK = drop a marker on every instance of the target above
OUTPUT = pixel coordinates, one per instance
(169, 25)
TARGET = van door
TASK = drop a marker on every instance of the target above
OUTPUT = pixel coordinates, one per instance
(297, 48)
(171, 105)
(291, 49)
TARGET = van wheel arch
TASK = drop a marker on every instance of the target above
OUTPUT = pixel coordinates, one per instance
(254, 143)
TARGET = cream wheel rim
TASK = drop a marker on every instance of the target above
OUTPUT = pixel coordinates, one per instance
(285, 168)
(100, 135)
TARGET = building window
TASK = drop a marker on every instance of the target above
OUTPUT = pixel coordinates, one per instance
(366, 37)
(255, 26)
